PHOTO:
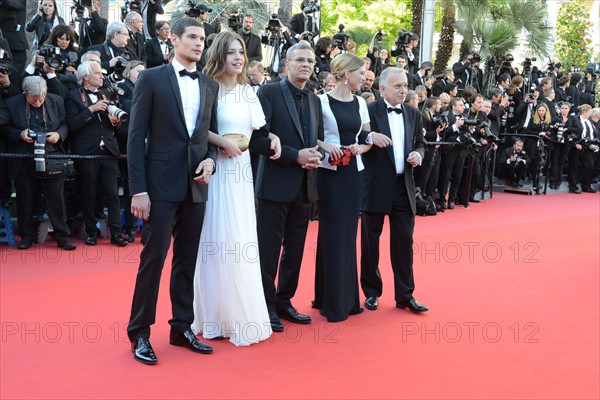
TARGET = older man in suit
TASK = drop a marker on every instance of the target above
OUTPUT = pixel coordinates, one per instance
(286, 187)
(389, 189)
(170, 163)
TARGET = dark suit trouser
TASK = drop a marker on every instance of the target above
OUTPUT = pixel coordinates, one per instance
(586, 169)
(432, 180)
(281, 224)
(104, 172)
(29, 190)
(572, 173)
(451, 166)
(560, 152)
(184, 221)
(402, 224)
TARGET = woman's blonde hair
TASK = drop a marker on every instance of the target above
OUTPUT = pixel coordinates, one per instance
(583, 108)
(216, 58)
(346, 62)
(547, 116)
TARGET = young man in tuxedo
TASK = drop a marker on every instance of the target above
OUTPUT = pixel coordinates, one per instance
(389, 189)
(170, 163)
(286, 187)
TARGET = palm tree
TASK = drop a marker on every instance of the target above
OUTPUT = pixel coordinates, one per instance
(446, 42)
(417, 12)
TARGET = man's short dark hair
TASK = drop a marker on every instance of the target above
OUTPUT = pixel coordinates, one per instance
(503, 78)
(431, 101)
(495, 92)
(450, 86)
(455, 100)
(159, 24)
(179, 26)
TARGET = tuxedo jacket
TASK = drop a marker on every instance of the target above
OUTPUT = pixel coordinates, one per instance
(154, 53)
(11, 132)
(379, 175)
(88, 129)
(253, 46)
(280, 180)
(95, 32)
(460, 72)
(161, 156)
(135, 46)
(106, 55)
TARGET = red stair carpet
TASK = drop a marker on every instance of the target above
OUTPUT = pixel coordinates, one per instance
(512, 285)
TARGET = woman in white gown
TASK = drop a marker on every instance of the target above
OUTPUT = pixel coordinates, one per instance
(229, 299)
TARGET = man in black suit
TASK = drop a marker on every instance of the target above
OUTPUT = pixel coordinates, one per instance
(135, 44)
(114, 49)
(389, 189)
(12, 27)
(158, 48)
(253, 47)
(303, 22)
(513, 163)
(94, 28)
(37, 111)
(149, 9)
(92, 133)
(170, 163)
(462, 71)
(286, 187)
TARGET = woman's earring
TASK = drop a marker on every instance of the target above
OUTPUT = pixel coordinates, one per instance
(346, 82)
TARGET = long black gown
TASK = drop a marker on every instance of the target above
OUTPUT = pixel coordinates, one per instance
(336, 280)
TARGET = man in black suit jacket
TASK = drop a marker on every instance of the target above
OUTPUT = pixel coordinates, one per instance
(389, 189)
(303, 22)
(253, 47)
(170, 163)
(149, 9)
(92, 133)
(12, 26)
(286, 187)
(367, 85)
(158, 48)
(37, 111)
(135, 44)
(94, 28)
(462, 71)
(114, 48)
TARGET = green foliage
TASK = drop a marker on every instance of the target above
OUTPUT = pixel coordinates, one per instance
(573, 41)
(362, 18)
(494, 26)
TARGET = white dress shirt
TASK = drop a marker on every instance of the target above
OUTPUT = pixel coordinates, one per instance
(190, 96)
(397, 130)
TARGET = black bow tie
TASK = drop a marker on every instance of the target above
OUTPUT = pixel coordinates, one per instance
(193, 75)
(394, 109)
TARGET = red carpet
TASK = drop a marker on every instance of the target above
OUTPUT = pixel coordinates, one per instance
(512, 285)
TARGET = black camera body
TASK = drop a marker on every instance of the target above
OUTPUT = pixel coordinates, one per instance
(380, 35)
(341, 38)
(465, 136)
(51, 56)
(519, 157)
(235, 21)
(311, 6)
(400, 44)
(130, 5)
(39, 150)
(438, 120)
(4, 66)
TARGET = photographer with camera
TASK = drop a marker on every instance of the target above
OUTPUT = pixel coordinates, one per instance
(561, 89)
(560, 132)
(438, 86)
(43, 22)
(325, 51)
(513, 163)
(41, 65)
(379, 57)
(434, 124)
(37, 126)
(540, 126)
(148, 9)
(93, 30)
(453, 157)
(463, 71)
(62, 41)
(581, 158)
(572, 92)
(590, 81)
(422, 77)
(304, 25)
(92, 121)
(114, 52)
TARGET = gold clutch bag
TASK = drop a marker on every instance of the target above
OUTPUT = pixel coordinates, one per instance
(239, 139)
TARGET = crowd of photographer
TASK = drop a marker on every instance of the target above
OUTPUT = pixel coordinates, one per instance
(528, 125)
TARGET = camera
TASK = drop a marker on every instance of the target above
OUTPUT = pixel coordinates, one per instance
(235, 21)
(466, 137)
(113, 93)
(400, 44)
(274, 24)
(39, 150)
(527, 65)
(379, 35)
(519, 160)
(4, 67)
(130, 5)
(438, 120)
(79, 7)
(341, 38)
(51, 56)
(117, 74)
(311, 6)
(487, 133)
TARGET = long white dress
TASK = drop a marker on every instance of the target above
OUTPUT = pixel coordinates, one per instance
(229, 299)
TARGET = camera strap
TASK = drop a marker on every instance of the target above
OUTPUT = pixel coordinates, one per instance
(28, 116)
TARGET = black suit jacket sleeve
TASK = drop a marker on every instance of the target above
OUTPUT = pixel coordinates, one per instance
(154, 54)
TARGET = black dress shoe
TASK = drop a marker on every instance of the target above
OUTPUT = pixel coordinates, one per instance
(292, 315)
(450, 205)
(576, 191)
(474, 201)
(130, 237)
(588, 190)
(276, 324)
(413, 305)
(25, 244)
(118, 240)
(90, 240)
(67, 245)
(143, 352)
(371, 303)
(188, 340)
